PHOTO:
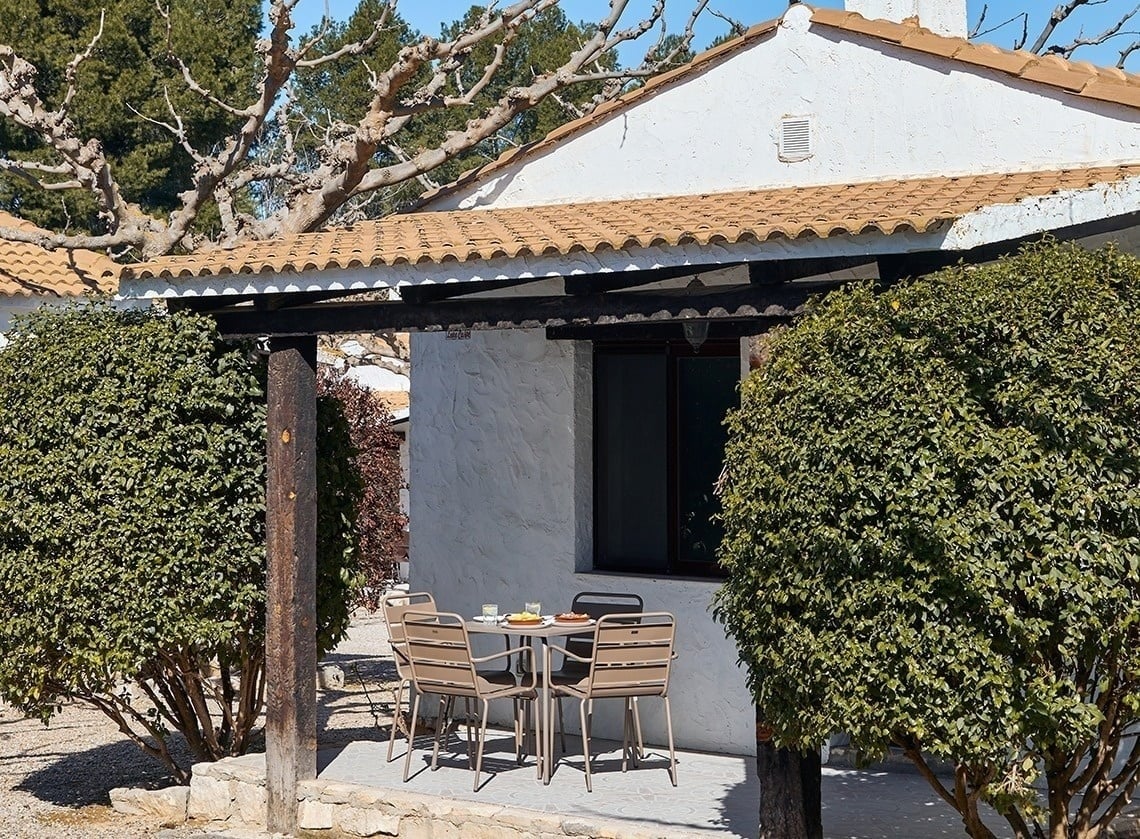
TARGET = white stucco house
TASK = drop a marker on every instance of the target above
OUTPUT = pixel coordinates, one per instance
(584, 304)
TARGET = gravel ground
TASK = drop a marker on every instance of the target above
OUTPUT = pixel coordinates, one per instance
(55, 781)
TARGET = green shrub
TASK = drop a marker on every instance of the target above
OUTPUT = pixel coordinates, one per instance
(932, 513)
(132, 525)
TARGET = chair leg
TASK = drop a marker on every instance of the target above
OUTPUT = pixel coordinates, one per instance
(467, 712)
(441, 724)
(561, 725)
(527, 711)
(626, 721)
(411, 736)
(395, 718)
(482, 740)
(637, 727)
(672, 753)
(585, 743)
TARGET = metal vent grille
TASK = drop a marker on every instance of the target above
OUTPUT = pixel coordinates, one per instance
(795, 139)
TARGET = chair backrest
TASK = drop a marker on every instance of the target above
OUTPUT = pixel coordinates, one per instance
(395, 605)
(439, 653)
(633, 655)
(596, 604)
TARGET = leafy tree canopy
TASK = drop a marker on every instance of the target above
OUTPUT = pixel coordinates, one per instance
(932, 513)
(132, 524)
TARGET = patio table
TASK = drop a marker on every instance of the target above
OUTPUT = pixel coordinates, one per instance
(545, 632)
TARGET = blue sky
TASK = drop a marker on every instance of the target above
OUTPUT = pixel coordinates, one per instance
(427, 15)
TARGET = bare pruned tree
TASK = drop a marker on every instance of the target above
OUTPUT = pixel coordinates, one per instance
(1121, 26)
(352, 160)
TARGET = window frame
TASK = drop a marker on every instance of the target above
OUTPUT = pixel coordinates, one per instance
(672, 350)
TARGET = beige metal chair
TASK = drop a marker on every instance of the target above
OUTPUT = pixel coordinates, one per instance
(439, 654)
(395, 605)
(596, 604)
(632, 657)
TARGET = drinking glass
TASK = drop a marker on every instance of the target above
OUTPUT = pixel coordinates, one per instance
(490, 612)
(534, 607)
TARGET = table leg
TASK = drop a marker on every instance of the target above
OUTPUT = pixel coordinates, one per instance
(548, 715)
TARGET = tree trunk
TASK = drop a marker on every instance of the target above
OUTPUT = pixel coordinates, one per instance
(790, 796)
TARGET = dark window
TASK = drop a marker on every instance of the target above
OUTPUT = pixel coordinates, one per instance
(658, 448)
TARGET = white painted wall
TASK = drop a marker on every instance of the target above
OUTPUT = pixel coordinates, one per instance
(10, 307)
(501, 496)
(878, 111)
(946, 17)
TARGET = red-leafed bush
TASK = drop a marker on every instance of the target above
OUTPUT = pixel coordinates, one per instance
(379, 522)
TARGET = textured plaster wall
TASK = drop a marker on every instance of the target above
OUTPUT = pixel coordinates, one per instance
(879, 111)
(501, 497)
(11, 307)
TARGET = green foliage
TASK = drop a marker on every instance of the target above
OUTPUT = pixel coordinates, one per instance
(132, 518)
(932, 514)
(128, 72)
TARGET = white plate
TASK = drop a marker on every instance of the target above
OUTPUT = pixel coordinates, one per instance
(589, 622)
(480, 619)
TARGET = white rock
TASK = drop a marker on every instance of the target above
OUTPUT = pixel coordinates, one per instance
(167, 804)
(329, 676)
(315, 815)
(210, 799)
(360, 822)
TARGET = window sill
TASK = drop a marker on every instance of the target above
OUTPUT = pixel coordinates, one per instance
(647, 575)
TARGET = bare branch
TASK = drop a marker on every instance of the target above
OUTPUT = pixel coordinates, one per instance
(72, 70)
(20, 102)
(354, 48)
(1112, 31)
(51, 241)
(1019, 42)
(1059, 15)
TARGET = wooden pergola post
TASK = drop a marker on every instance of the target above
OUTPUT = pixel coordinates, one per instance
(291, 545)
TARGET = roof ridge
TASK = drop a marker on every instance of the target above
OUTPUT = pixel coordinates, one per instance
(1106, 84)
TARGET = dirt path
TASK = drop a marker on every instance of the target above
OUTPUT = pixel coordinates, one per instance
(55, 781)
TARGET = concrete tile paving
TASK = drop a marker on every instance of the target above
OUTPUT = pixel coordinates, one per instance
(717, 794)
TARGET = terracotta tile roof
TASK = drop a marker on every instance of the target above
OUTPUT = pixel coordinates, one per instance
(1106, 84)
(27, 270)
(758, 215)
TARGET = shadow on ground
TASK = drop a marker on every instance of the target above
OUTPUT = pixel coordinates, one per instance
(77, 779)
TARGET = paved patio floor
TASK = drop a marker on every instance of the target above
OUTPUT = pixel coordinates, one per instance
(716, 794)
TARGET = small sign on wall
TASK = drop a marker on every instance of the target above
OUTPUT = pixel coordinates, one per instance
(459, 334)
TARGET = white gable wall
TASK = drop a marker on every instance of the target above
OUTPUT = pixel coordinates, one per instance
(878, 112)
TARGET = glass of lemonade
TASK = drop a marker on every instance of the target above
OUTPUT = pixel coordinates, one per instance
(490, 612)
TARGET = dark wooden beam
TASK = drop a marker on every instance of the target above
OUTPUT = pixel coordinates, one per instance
(714, 302)
(582, 284)
(661, 331)
(291, 548)
(446, 291)
(788, 270)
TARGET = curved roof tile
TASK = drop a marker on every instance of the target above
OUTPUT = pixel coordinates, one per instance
(887, 206)
(27, 270)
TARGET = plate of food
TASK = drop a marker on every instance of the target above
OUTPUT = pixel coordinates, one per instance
(524, 619)
(573, 619)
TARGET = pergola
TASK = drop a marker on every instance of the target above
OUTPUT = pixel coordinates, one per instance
(737, 261)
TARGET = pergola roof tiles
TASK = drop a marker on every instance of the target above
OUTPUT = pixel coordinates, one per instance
(885, 206)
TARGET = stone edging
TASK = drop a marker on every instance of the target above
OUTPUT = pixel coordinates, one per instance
(233, 791)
